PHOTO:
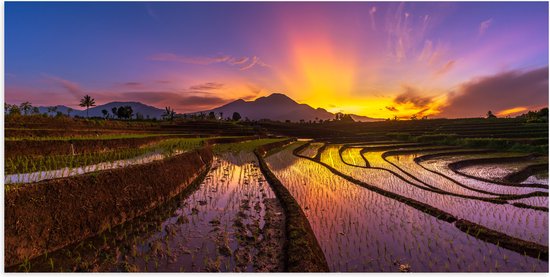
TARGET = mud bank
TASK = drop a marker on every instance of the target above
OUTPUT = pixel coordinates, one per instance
(46, 216)
(302, 250)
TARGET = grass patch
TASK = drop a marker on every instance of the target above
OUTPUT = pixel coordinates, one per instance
(100, 137)
(26, 164)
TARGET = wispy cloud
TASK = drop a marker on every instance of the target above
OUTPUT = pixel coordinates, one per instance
(405, 32)
(484, 25)
(207, 86)
(71, 87)
(372, 12)
(244, 63)
(446, 68)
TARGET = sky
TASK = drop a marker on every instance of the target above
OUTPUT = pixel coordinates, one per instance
(377, 59)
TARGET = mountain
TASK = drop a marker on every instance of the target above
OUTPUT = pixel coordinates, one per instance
(137, 107)
(60, 108)
(277, 106)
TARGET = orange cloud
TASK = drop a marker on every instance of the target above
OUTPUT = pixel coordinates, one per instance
(511, 111)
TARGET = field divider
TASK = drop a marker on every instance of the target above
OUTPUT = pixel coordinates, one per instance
(49, 215)
(408, 201)
(368, 166)
(431, 188)
(501, 198)
(456, 166)
(302, 250)
(419, 160)
(500, 239)
(341, 151)
(406, 173)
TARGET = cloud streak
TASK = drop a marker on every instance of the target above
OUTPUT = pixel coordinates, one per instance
(244, 63)
(484, 25)
(71, 87)
(446, 68)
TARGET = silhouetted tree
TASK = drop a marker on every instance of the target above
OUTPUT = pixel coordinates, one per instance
(51, 110)
(236, 116)
(87, 101)
(125, 112)
(221, 115)
(15, 110)
(26, 107)
(105, 113)
(35, 110)
(347, 118)
(491, 115)
(168, 113)
(69, 111)
(211, 116)
(414, 117)
(115, 112)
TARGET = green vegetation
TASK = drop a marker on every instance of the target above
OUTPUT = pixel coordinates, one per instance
(24, 164)
(101, 137)
(529, 145)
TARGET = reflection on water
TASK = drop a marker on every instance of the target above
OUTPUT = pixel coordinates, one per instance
(527, 224)
(67, 172)
(360, 230)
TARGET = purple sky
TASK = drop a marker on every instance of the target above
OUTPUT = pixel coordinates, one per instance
(377, 59)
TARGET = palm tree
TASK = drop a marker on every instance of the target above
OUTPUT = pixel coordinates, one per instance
(25, 107)
(87, 101)
(168, 113)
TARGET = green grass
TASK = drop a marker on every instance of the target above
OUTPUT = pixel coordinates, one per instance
(26, 164)
(100, 137)
(503, 144)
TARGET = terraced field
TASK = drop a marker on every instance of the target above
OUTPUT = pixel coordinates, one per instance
(182, 201)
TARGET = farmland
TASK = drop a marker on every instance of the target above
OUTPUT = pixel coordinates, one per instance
(464, 195)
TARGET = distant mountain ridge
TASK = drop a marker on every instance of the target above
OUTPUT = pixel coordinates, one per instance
(96, 111)
(278, 106)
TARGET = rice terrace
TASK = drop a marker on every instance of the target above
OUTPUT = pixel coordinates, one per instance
(231, 177)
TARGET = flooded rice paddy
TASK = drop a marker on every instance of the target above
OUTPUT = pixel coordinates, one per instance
(360, 230)
(232, 221)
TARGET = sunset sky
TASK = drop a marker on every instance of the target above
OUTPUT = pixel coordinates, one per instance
(371, 58)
